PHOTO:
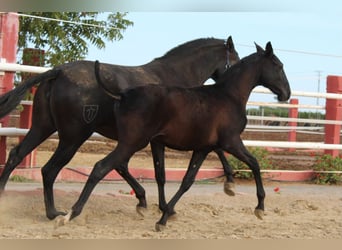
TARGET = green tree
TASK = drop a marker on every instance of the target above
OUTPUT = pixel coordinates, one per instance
(67, 40)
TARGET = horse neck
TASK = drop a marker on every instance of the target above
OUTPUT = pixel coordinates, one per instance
(194, 69)
(240, 80)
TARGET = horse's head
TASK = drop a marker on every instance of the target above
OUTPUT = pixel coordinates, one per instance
(231, 59)
(273, 75)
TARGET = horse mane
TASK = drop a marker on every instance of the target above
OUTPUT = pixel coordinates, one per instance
(250, 58)
(184, 48)
(234, 68)
(247, 59)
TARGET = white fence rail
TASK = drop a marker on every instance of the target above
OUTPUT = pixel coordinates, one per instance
(263, 90)
(13, 67)
(14, 132)
(285, 119)
(277, 144)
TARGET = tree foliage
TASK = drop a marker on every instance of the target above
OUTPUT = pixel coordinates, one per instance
(68, 41)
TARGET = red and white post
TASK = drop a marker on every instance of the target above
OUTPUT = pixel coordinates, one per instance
(293, 113)
(9, 27)
(333, 112)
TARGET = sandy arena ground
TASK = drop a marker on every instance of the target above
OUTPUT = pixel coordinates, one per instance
(296, 211)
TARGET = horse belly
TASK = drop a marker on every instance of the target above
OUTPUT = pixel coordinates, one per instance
(188, 138)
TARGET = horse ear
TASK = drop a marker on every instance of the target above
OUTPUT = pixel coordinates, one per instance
(259, 48)
(230, 44)
(269, 49)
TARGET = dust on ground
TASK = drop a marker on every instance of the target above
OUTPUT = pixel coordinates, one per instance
(295, 211)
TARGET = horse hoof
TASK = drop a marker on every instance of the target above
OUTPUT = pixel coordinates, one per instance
(141, 211)
(229, 188)
(52, 216)
(173, 216)
(160, 227)
(259, 213)
(62, 220)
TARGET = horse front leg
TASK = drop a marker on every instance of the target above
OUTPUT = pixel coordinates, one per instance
(229, 185)
(189, 178)
(237, 149)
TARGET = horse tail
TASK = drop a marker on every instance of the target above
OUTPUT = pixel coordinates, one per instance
(103, 86)
(11, 99)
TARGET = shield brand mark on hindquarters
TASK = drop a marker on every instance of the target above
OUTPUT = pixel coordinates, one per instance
(90, 112)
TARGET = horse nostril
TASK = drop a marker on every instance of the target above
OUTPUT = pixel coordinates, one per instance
(283, 97)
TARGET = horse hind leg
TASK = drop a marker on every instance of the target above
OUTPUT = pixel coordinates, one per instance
(42, 127)
(138, 189)
(34, 137)
(229, 185)
(195, 163)
(66, 149)
(114, 160)
(158, 153)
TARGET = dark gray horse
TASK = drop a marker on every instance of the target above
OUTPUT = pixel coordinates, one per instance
(201, 119)
(69, 101)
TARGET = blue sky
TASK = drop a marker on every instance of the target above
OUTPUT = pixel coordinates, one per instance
(316, 32)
